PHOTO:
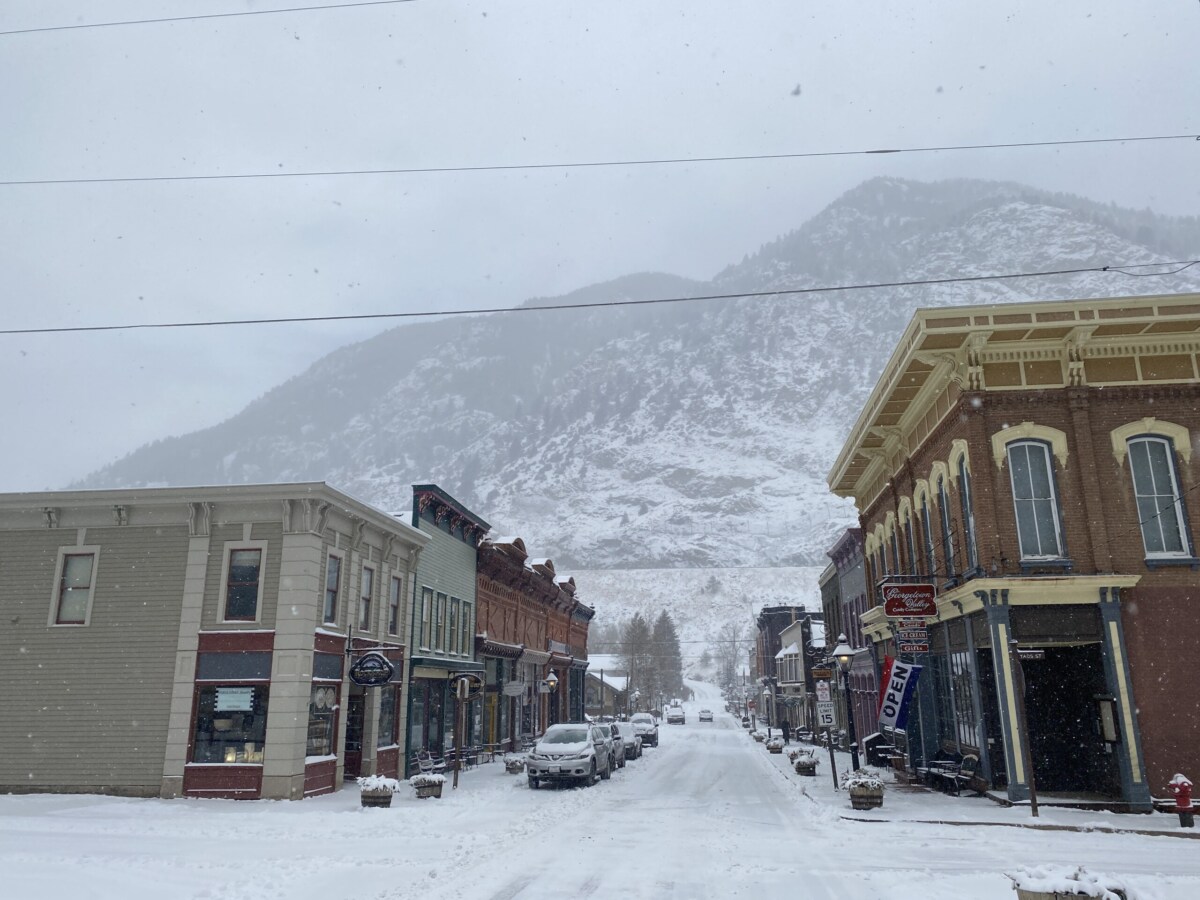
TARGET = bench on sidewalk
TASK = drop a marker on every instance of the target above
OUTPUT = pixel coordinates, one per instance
(953, 778)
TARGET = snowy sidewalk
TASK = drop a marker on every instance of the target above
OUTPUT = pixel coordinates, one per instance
(918, 804)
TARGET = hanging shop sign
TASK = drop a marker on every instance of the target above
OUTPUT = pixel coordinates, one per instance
(912, 647)
(371, 670)
(514, 688)
(895, 693)
(907, 601)
(818, 674)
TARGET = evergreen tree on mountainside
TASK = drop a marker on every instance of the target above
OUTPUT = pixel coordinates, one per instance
(669, 657)
(637, 652)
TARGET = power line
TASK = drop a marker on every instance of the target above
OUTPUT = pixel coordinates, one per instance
(227, 15)
(1179, 266)
(596, 164)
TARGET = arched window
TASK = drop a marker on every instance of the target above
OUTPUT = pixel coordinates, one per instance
(947, 528)
(927, 525)
(1156, 487)
(968, 512)
(1039, 528)
(897, 568)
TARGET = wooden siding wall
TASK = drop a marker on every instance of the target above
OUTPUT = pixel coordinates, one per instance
(87, 706)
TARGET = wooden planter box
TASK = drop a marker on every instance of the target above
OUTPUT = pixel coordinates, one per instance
(514, 766)
(771, 748)
(866, 798)
(376, 798)
(758, 737)
(428, 790)
(806, 765)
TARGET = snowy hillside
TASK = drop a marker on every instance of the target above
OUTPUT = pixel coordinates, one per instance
(667, 436)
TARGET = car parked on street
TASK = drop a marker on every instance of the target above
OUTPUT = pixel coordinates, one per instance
(616, 745)
(705, 715)
(675, 716)
(645, 726)
(630, 742)
(578, 752)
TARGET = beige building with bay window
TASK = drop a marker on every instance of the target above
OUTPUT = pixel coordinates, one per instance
(198, 641)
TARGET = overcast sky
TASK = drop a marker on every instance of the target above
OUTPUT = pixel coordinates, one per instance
(437, 83)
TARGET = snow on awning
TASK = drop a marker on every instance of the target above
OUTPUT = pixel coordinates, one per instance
(789, 650)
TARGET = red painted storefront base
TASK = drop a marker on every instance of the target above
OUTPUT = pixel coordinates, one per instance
(320, 778)
(230, 782)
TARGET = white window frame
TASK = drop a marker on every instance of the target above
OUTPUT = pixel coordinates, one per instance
(426, 612)
(365, 597)
(947, 524)
(340, 556)
(395, 600)
(467, 625)
(1185, 552)
(229, 547)
(1056, 505)
(92, 550)
(454, 626)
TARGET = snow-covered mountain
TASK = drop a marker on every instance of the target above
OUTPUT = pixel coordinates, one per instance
(674, 435)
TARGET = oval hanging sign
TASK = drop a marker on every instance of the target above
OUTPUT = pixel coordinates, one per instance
(372, 669)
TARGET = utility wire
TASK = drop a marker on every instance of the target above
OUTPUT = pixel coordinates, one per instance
(227, 15)
(596, 164)
(1179, 266)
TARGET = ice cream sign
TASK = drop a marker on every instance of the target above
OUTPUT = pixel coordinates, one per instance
(909, 601)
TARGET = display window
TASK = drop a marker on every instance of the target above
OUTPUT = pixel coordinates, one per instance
(322, 720)
(231, 723)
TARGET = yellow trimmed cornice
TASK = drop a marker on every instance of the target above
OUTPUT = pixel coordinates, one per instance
(1179, 436)
(1029, 431)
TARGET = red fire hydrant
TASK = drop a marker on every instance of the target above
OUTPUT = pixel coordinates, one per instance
(1182, 789)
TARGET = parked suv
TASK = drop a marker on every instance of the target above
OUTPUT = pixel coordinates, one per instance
(616, 749)
(645, 727)
(628, 741)
(569, 753)
(675, 716)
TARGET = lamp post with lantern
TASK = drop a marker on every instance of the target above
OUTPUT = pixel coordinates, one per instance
(844, 654)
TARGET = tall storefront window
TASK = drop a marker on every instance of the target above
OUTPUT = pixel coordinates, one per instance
(1034, 499)
(1160, 512)
(231, 724)
(333, 577)
(388, 696)
(241, 588)
(947, 528)
(968, 512)
(322, 710)
(927, 524)
(394, 606)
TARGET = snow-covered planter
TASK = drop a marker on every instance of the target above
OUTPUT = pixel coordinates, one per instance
(865, 788)
(376, 790)
(775, 745)
(804, 762)
(1066, 883)
(759, 736)
(514, 763)
(427, 785)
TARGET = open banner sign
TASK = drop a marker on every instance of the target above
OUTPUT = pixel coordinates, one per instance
(895, 692)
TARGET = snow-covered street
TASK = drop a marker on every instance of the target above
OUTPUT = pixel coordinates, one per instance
(707, 814)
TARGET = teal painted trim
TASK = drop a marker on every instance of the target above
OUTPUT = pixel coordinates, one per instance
(1136, 794)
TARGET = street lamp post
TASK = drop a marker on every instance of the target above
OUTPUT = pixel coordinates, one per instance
(844, 654)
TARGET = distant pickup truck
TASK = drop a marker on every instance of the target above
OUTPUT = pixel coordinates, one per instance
(675, 716)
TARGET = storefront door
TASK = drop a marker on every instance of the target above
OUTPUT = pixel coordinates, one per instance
(355, 713)
(1069, 754)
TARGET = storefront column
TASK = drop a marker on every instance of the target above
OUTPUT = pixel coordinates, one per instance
(985, 762)
(1116, 673)
(1000, 626)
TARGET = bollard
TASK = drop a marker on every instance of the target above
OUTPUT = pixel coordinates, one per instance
(1181, 787)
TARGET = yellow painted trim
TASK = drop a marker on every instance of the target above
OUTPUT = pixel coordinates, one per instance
(958, 450)
(1010, 698)
(939, 469)
(1177, 433)
(870, 544)
(905, 510)
(1026, 431)
(889, 525)
(921, 490)
(1135, 763)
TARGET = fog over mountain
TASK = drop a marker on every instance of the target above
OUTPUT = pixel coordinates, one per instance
(678, 435)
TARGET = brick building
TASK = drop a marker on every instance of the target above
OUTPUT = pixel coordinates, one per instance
(1034, 462)
(530, 625)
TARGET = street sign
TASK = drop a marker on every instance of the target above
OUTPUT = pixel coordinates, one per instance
(825, 716)
(913, 648)
(906, 601)
(818, 674)
(1031, 655)
(823, 692)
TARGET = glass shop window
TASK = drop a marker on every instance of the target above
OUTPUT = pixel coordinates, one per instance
(231, 724)
(322, 709)
(387, 716)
